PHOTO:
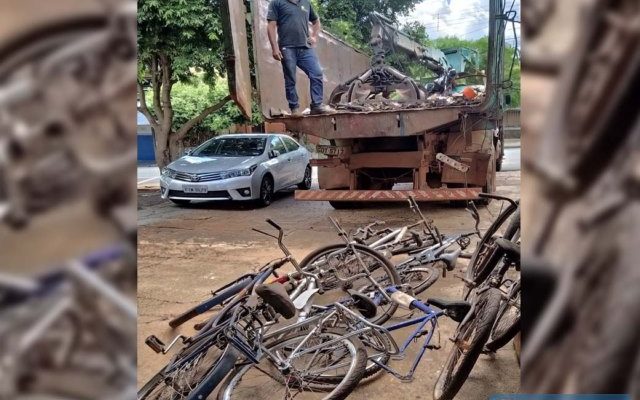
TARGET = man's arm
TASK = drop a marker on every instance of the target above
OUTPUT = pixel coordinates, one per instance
(275, 49)
(315, 27)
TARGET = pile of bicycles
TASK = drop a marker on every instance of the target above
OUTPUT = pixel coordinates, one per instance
(318, 331)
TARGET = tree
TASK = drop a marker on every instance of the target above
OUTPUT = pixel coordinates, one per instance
(349, 19)
(177, 41)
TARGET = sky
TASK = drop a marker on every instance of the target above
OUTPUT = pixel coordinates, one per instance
(467, 19)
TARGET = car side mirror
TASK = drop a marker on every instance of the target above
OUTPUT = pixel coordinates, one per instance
(274, 154)
(188, 152)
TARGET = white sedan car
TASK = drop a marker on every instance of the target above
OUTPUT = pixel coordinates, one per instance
(237, 167)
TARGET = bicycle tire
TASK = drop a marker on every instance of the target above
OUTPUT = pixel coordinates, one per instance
(449, 382)
(487, 239)
(224, 362)
(432, 276)
(391, 277)
(505, 329)
(337, 391)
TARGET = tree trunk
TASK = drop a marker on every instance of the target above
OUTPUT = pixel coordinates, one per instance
(175, 145)
(160, 114)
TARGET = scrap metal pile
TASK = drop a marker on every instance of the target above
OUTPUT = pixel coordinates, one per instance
(382, 87)
(471, 95)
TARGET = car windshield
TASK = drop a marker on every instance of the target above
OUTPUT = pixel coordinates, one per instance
(231, 147)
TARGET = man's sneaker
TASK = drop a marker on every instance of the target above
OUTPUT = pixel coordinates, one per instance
(322, 109)
(295, 112)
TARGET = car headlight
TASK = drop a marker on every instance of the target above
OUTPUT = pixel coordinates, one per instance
(239, 172)
(168, 173)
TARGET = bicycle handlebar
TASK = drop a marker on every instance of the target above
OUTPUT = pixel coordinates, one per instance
(497, 197)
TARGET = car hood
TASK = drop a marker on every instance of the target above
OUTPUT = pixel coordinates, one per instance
(192, 164)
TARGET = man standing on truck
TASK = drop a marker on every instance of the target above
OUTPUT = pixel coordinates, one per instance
(294, 48)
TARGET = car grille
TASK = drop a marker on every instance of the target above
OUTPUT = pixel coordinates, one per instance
(210, 194)
(205, 177)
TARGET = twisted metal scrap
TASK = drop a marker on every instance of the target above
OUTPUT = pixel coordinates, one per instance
(582, 214)
(66, 117)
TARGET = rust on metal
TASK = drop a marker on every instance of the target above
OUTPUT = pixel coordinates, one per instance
(402, 159)
(269, 71)
(237, 54)
(388, 195)
(325, 162)
(346, 125)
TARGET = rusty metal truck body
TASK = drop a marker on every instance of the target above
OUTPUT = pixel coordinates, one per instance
(439, 152)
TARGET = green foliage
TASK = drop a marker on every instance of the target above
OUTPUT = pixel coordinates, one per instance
(189, 32)
(349, 19)
(190, 98)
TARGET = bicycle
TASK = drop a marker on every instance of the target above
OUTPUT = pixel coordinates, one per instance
(473, 333)
(506, 225)
(418, 269)
(235, 338)
(329, 264)
(358, 326)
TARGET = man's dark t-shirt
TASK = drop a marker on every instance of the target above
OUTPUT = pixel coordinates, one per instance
(292, 17)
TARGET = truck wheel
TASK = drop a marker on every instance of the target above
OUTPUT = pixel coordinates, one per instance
(499, 155)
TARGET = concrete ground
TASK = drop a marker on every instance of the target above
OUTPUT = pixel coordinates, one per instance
(184, 253)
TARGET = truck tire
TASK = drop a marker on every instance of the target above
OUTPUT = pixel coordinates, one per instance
(499, 151)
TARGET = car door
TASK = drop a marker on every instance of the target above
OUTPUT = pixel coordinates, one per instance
(280, 165)
(298, 161)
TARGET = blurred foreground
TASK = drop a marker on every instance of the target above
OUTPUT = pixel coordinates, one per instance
(581, 216)
(67, 199)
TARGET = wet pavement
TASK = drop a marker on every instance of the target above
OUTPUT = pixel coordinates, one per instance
(184, 253)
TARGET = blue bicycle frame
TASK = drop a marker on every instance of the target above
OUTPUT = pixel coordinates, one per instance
(430, 317)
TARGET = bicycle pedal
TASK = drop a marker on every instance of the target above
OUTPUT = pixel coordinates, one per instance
(155, 344)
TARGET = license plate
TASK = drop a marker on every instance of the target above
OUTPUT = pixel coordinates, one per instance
(195, 188)
(330, 150)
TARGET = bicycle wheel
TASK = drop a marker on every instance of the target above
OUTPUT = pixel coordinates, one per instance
(420, 278)
(472, 336)
(508, 322)
(341, 261)
(507, 226)
(177, 384)
(326, 354)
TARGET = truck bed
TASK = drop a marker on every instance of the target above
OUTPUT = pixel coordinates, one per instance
(346, 124)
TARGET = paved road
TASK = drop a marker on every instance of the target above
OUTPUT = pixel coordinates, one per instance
(184, 253)
(148, 176)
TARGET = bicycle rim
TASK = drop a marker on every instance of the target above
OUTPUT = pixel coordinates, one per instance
(307, 374)
(507, 324)
(420, 278)
(340, 261)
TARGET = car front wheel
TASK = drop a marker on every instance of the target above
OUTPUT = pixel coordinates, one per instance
(306, 181)
(266, 191)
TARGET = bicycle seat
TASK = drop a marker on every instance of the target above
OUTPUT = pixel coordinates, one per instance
(451, 258)
(276, 296)
(511, 249)
(364, 304)
(456, 310)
